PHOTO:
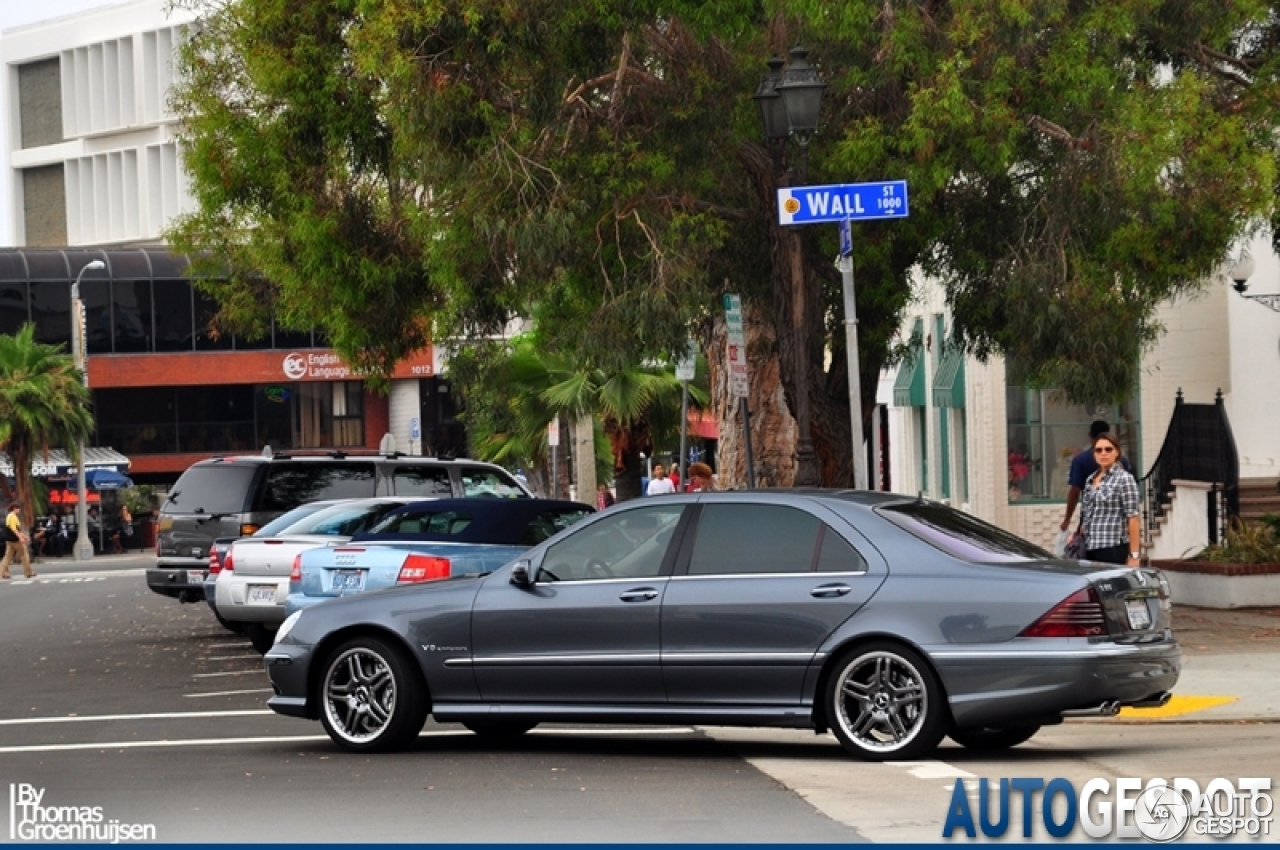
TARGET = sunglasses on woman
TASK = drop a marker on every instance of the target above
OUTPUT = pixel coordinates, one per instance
(1103, 450)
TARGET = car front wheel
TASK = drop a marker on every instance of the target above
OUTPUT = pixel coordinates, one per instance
(373, 697)
(884, 702)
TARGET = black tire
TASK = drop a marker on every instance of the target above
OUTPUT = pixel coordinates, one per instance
(372, 696)
(262, 637)
(498, 729)
(986, 739)
(884, 702)
(229, 625)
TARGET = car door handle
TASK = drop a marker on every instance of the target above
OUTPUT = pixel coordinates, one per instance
(644, 594)
(826, 590)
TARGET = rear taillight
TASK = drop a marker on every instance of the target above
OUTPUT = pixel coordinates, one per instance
(295, 574)
(422, 568)
(1079, 615)
(247, 528)
(215, 566)
(227, 563)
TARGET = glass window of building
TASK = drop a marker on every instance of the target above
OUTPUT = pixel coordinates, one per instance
(1045, 431)
(328, 414)
(208, 337)
(173, 315)
(13, 307)
(131, 301)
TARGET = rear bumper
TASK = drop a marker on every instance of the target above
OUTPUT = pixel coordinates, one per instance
(233, 595)
(1020, 684)
(182, 583)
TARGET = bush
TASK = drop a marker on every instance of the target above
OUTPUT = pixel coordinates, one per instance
(1247, 543)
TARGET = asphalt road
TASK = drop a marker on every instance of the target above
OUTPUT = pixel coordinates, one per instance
(118, 698)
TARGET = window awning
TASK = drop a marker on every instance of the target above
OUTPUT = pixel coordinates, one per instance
(948, 382)
(58, 464)
(908, 387)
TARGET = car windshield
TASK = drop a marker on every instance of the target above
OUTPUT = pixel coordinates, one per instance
(343, 520)
(959, 534)
(289, 518)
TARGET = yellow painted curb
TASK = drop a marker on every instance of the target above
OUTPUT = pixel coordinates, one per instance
(1176, 706)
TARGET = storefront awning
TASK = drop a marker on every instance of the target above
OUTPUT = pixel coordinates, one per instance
(948, 383)
(58, 464)
(908, 387)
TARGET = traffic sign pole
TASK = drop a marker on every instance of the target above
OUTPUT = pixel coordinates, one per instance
(739, 385)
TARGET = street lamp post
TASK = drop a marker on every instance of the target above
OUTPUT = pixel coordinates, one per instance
(83, 547)
(789, 99)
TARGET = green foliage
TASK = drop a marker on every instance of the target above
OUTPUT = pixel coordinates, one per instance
(44, 404)
(140, 499)
(1247, 543)
(391, 170)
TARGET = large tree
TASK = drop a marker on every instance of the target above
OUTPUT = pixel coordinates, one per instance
(44, 404)
(381, 167)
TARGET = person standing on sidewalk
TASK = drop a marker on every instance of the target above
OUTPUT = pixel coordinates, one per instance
(1109, 508)
(16, 541)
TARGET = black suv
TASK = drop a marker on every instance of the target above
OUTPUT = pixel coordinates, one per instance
(235, 496)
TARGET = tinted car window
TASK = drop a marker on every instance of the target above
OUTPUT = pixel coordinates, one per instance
(216, 488)
(291, 484)
(343, 520)
(837, 556)
(550, 523)
(415, 481)
(490, 483)
(960, 534)
(754, 539)
(628, 544)
(292, 517)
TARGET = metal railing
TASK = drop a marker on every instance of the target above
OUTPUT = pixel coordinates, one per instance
(1198, 446)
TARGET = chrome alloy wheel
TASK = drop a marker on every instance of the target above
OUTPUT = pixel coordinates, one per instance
(881, 702)
(359, 695)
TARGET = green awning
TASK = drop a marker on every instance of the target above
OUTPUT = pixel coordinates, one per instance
(948, 382)
(908, 387)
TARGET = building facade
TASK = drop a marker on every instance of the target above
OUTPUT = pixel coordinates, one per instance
(93, 171)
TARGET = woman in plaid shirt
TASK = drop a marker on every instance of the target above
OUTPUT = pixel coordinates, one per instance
(1110, 508)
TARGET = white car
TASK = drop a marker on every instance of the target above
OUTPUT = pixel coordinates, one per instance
(254, 581)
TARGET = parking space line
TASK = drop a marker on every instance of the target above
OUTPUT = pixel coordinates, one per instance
(169, 715)
(229, 673)
(229, 693)
(233, 658)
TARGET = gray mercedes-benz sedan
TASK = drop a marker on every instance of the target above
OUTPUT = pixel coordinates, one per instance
(890, 621)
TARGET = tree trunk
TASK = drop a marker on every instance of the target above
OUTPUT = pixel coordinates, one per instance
(584, 458)
(773, 428)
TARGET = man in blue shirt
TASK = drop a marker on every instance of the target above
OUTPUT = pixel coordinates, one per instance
(1082, 466)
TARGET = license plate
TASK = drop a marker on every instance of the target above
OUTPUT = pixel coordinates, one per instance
(348, 580)
(195, 576)
(262, 594)
(197, 552)
(1139, 613)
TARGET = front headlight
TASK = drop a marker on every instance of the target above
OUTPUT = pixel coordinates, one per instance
(287, 625)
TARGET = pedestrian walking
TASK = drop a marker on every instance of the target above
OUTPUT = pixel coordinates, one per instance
(701, 479)
(1082, 466)
(1109, 508)
(659, 484)
(604, 499)
(15, 543)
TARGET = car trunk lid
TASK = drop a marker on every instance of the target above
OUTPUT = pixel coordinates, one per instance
(1136, 602)
(273, 556)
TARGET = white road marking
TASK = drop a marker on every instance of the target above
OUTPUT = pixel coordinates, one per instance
(169, 715)
(229, 693)
(48, 578)
(932, 770)
(228, 673)
(234, 658)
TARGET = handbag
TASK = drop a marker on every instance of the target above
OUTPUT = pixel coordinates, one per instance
(1075, 549)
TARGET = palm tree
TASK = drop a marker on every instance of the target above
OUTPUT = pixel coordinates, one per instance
(634, 410)
(43, 403)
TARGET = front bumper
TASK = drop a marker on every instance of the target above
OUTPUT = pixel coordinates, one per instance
(287, 665)
(1024, 683)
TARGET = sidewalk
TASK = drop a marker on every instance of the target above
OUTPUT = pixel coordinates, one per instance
(1231, 668)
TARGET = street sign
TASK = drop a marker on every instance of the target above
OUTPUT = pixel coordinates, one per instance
(846, 238)
(415, 430)
(687, 365)
(841, 202)
(553, 433)
(739, 385)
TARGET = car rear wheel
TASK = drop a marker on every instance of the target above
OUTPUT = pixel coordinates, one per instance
(373, 697)
(883, 702)
(262, 637)
(498, 728)
(986, 738)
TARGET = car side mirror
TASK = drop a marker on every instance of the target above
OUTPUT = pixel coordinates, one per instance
(522, 574)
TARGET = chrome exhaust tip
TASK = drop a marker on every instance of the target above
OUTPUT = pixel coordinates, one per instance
(1158, 701)
(1109, 708)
